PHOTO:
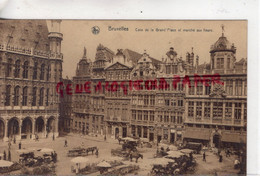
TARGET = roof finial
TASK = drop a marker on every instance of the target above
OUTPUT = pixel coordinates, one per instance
(85, 52)
(223, 30)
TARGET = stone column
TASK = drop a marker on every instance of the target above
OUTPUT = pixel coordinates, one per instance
(233, 112)
(234, 89)
(194, 111)
(202, 111)
(224, 110)
(243, 87)
(20, 131)
(242, 114)
(211, 111)
(6, 131)
(33, 128)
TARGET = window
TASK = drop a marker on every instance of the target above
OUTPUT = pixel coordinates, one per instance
(220, 63)
(41, 97)
(175, 69)
(245, 112)
(140, 99)
(47, 97)
(17, 69)
(146, 115)
(34, 94)
(191, 109)
(207, 110)
(199, 89)
(146, 100)
(179, 119)
(167, 102)
(229, 87)
(237, 111)
(9, 68)
(42, 72)
(8, 95)
(207, 90)
(16, 96)
(152, 100)
(180, 87)
(172, 119)
(25, 69)
(25, 95)
(48, 75)
(191, 89)
(238, 87)
(168, 69)
(139, 115)
(217, 110)
(228, 63)
(134, 115)
(245, 88)
(166, 118)
(151, 115)
(228, 110)
(35, 68)
(199, 109)
(180, 103)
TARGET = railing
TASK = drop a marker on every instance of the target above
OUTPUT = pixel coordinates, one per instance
(31, 52)
(237, 122)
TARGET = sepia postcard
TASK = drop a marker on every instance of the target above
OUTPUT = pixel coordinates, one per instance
(123, 97)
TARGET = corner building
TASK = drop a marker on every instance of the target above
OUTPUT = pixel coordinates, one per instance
(31, 66)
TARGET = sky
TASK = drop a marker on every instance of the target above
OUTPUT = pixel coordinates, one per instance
(77, 34)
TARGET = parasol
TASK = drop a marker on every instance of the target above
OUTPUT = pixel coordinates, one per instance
(79, 159)
(186, 151)
(46, 150)
(174, 154)
(104, 164)
(128, 139)
(161, 161)
(4, 163)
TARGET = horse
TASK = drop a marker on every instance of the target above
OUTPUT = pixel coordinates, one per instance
(136, 156)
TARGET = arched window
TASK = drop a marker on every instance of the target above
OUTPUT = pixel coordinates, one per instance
(34, 94)
(42, 72)
(47, 97)
(9, 68)
(35, 68)
(25, 95)
(17, 69)
(8, 95)
(48, 73)
(16, 96)
(41, 97)
(25, 69)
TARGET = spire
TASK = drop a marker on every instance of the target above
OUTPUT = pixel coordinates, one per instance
(85, 52)
(223, 30)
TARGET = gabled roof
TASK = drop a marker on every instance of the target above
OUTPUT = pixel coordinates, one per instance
(120, 65)
(134, 57)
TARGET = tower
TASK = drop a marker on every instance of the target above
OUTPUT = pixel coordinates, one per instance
(223, 54)
(55, 37)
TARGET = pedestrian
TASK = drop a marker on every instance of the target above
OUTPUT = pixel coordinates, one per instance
(4, 155)
(220, 158)
(55, 157)
(14, 140)
(66, 143)
(204, 156)
(97, 153)
(20, 145)
(105, 138)
(9, 145)
(9, 155)
(53, 137)
(191, 157)
(82, 144)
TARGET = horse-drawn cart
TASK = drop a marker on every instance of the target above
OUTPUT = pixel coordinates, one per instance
(81, 151)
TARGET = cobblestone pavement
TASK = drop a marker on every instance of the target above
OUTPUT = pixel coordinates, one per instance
(63, 166)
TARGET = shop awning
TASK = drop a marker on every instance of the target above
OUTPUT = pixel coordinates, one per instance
(202, 134)
(234, 137)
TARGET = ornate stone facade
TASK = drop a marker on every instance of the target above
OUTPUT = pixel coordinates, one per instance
(31, 66)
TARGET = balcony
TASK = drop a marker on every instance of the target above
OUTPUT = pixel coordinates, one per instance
(216, 120)
(237, 122)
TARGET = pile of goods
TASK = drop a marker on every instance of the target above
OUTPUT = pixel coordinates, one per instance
(81, 151)
(119, 152)
(7, 166)
(124, 170)
(178, 166)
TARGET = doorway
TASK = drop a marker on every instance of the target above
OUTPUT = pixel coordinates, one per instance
(117, 133)
(151, 137)
(216, 140)
(172, 138)
(124, 132)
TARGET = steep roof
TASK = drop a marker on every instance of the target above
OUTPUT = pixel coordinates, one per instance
(25, 34)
